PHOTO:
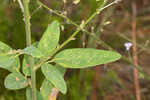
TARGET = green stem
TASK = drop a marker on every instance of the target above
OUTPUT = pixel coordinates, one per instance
(27, 22)
(28, 43)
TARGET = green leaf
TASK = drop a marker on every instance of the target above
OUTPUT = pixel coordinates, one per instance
(82, 58)
(50, 39)
(26, 66)
(47, 86)
(46, 89)
(61, 69)
(28, 95)
(10, 63)
(33, 51)
(15, 81)
(6, 61)
(4, 48)
(53, 75)
(15, 67)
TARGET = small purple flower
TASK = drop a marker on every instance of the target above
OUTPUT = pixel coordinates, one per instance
(128, 45)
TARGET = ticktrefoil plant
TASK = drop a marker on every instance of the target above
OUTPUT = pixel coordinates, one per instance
(46, 54)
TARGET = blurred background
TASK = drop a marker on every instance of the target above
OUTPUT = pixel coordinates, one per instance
(112, 28)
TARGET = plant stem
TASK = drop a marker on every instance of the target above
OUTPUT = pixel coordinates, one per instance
(135, 58)
(27, 22)
(28, 43)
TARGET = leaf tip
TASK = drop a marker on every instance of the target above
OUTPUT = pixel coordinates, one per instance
(55, 22)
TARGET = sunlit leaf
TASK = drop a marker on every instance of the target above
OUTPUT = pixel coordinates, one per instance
(33, 51)
(10, 63)
(4, 48)
(53, 75)
(50, 39)
(47, 86)
(82, 58)
(15, 81)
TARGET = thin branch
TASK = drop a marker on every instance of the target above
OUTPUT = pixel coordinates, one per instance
(135, 58)
(21, 6)
(35, 10)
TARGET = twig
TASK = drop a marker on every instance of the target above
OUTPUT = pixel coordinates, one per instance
(135, 58)
(21, 6)
(35, 11)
